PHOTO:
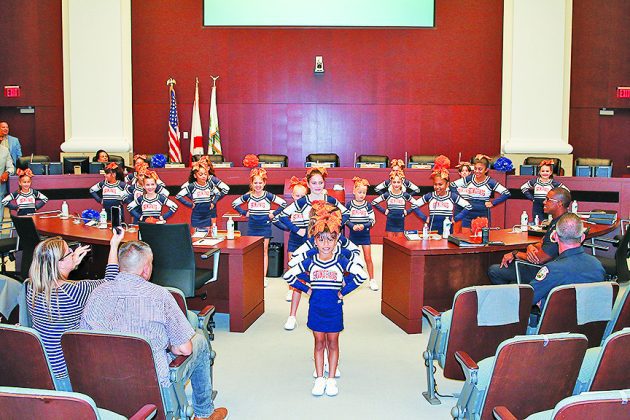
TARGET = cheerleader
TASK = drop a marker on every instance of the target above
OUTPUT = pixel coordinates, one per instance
(199, 195)
(327, 279)
(442, 202)
(150, 203)
(135, 190)
(396, 200)
(25, 200)
(112, 190)
(536, 189)
(220, 188)
(140, 163)
(408, 186)
(259, 210)
(298, 188)
(478, 188)
(360, 222)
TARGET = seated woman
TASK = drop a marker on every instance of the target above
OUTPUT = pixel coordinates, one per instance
(56, 303)
(101, 156)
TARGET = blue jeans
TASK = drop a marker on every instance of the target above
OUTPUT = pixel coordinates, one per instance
(200, 377)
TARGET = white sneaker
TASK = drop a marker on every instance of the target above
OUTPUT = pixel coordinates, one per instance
(319, 386)
(291, 324)
(373, 285)
(289, 296)
(266, 282)
(331, 387)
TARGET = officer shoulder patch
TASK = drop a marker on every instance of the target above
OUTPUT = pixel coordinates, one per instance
(542, 273)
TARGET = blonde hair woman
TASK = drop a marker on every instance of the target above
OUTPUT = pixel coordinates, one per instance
(56, 303)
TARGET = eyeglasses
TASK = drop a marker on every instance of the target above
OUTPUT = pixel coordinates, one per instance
(553, 199)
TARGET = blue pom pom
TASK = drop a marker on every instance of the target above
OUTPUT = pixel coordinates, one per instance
(89, 214)
(158, 161)
(503, 164)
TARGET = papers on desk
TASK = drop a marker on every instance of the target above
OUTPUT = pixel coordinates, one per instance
(200, 234)
(208, 242)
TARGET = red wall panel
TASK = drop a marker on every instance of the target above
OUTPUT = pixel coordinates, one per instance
(385, 91)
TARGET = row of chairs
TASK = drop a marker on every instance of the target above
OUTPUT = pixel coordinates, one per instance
(115, 370)
(456, 337)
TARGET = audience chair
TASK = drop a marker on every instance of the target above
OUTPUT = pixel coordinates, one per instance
(28, 238)
(373, 159)
(203, 320)
(324, 158)
(118, 159)
(589, 405)
(211, 158)
(616, 267)
(605, 368)
(24, 360)
(174, 258)
(560, 312)
(118, 371)
(24, 403)
(535, 161)
(528, 374)
(283, 160)
(458, 329)
(620, 315)
(22, 162)
(8, 246)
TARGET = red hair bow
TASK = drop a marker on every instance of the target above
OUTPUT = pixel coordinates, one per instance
(462, 164)
(441, 162)
(26, 172)
(360, 182)
(482, 156)
(330, 221)
(295, 181)
(141, 167)
(151, 174)
(441, 172)
(547, 162)
(322, 171)
(399, 173)
(112, 165)
(397, 162)
(139, 156)
(261, 172)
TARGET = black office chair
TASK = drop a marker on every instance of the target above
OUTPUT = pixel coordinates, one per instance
(373, 159)
(616, 267)
(211, 158)
(423, 159)
(535, 161)
(8, 246)
(324, 158)
(28, 238)
(593, 167)
(174, 258)
(118, 159)
(281, 159)
(22, 162)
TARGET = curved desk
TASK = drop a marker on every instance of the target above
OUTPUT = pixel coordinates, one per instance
(237, 291)
(419, 273)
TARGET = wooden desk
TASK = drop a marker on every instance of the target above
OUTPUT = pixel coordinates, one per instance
(419, 273)
(238, 290)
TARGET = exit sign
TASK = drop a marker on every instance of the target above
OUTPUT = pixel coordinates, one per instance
(623, 92)
(11, 91)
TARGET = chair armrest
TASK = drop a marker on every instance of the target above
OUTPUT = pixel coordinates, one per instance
(147, 412)
(593, 246)
(203, 317)
(178, 369)
(433, 316)
(607, 240)
(469, 366)
(503, 413)
(178, 361)
(210, 253)
(207, 310)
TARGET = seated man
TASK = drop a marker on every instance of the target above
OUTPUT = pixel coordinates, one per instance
(556, 204)
(132, 304)
(572, 266)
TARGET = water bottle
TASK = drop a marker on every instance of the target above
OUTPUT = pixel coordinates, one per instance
(230, 228)
(446, 228)
(574, 206)
(102, 219)
(425, 231)
(536, 220)
(214, 232)
(64, 209)
(524, 221)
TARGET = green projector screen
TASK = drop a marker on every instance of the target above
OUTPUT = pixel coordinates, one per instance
(368, 13)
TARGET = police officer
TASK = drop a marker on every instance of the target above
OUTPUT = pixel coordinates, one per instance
(556, 204)
(572, 265)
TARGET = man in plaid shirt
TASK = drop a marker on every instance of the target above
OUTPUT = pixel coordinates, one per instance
(132, 304)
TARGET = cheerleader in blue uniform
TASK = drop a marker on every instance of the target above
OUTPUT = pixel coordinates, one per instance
(360, 222)
(327, 279)
(199, 195)
(259, 211)
(220, 188)
(408, 186)
(442, 202)
(536, 189)
(149, 204)
(141, 164)
(112, 190)
(25, 200)
(396, 200)
(478, 189)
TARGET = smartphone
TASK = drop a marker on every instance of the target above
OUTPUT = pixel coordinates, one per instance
(116, 214)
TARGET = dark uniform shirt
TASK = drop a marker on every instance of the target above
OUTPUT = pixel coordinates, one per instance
(570, 267)
(548, 246)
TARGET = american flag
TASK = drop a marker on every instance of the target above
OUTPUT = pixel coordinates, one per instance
(174, 149)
